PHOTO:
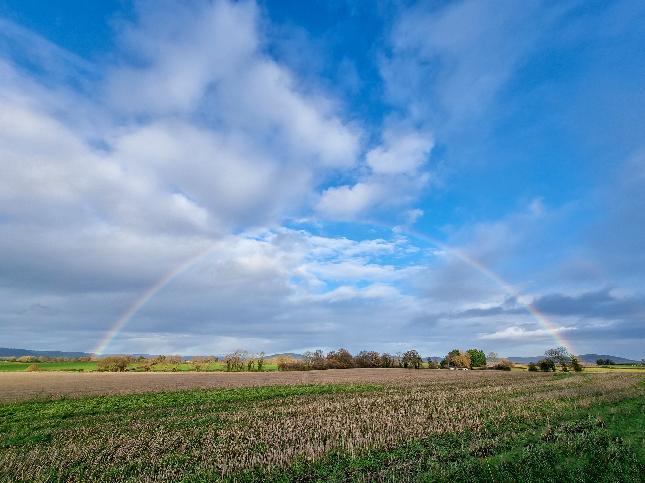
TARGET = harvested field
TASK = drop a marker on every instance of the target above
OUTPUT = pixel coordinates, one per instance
(22, 386)
(391, 425)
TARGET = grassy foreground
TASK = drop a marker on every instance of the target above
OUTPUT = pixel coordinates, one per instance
(505, 427)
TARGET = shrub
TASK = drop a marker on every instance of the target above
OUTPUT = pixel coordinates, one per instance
(113, 364)
(234, 361)
(204, 359)
(32, 368)
(432, 364)
(575, 364)
(158, 360)
(292, 365)
(532, 367)
(260, 361)
(546, 365)
(27, 359)
(503, 365)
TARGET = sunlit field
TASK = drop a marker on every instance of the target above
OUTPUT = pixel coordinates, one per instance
(92, 366)
(440, 425)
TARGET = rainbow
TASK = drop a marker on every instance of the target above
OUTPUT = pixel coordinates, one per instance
(146, 297)
(503, 284)
(168, 277)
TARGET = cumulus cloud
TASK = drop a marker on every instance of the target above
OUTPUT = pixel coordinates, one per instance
(206, 60)
(192, 137)
(401, 152)
(395, 176)
(113, 175)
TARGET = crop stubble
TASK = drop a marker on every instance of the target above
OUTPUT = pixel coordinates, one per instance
(197, 440)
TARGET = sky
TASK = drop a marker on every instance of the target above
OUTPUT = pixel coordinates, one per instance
(197, 177)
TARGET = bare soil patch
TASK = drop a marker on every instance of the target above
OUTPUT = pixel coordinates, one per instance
(18, 386)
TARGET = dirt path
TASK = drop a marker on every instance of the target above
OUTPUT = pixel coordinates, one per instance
(17, 386)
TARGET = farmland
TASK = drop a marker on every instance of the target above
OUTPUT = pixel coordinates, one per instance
(92, 366)
(357, 424)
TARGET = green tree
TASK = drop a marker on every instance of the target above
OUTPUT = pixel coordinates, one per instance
(113, 364)
(477, 357)
(412, 359)
(546, 365)
(560, 355)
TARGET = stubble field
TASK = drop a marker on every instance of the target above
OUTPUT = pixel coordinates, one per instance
(361, 425)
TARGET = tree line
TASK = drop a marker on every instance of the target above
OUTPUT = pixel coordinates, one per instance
(343, 359)
(237, 361)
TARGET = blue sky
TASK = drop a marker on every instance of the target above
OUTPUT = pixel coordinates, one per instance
(374, 175)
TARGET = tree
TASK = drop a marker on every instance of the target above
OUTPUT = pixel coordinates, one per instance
(477, 357)
(575, 364)
(532, 367)
(315, 360)
(546, 365)
(412, 359)
(492, 357)
(113, 364)
(340, 359)
(260, 361)
(387, 360)
(560, 355)
(235, 361)
(456, 358)
(368, 359)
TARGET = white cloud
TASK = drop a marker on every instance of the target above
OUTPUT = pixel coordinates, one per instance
(401, 152)
(393, 177)
(520, 333)
(206, 61)
(345, 202)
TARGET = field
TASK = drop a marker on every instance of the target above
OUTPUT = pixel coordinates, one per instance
(361, 425)
(21, 386)
(91, 366)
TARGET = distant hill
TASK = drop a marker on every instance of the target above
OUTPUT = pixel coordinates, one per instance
(591, 358)
(585, 358)
(9, 352)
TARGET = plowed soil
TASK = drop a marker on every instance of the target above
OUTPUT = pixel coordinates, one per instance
(19, 386)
